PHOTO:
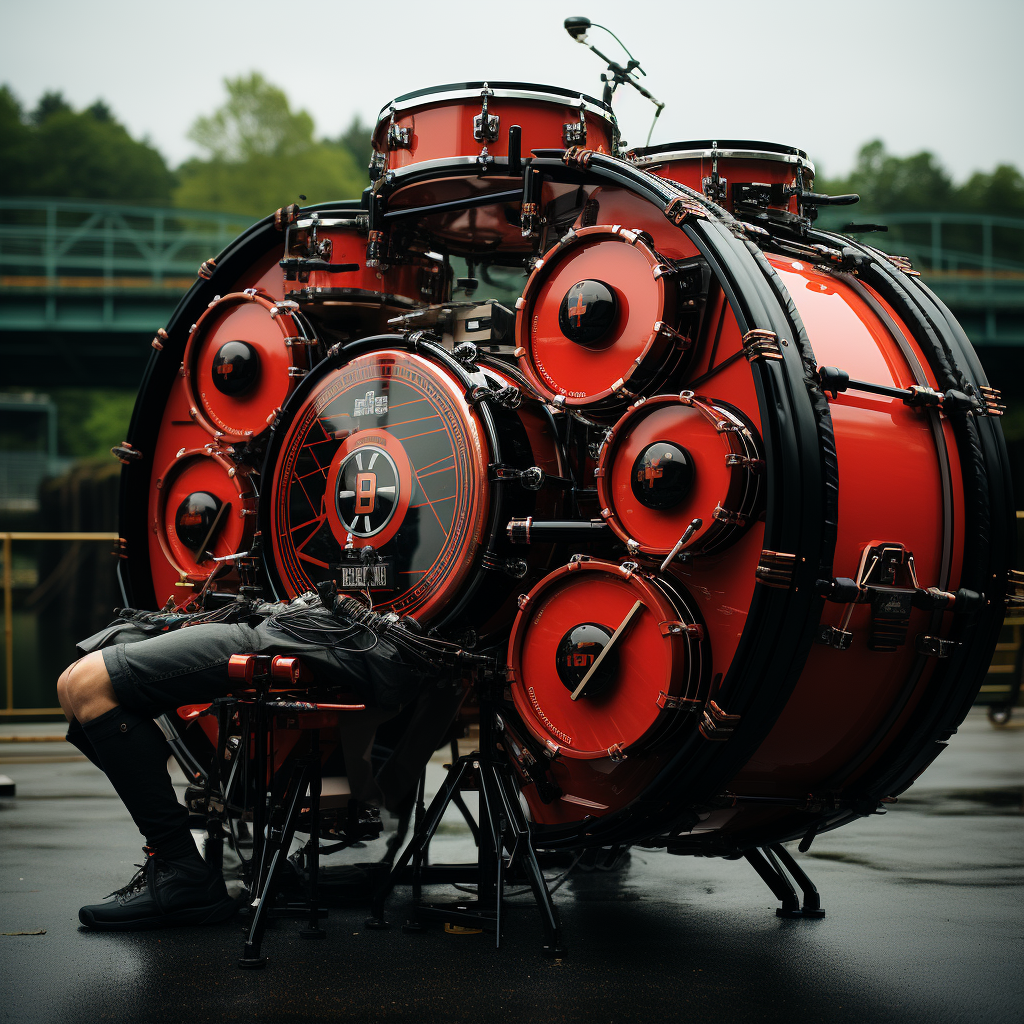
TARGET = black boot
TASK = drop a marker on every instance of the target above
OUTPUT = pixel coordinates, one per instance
(174, 886)
(162, 894)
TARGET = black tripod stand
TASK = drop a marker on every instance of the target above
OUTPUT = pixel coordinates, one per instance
(503, 828)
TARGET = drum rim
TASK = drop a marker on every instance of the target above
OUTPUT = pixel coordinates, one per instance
(617, 395)
(636, 576)
(237, 473)
(706, 541)
(500, 91)
(728, 149)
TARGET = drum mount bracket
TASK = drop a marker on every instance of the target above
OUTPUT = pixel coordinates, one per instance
(887, 580)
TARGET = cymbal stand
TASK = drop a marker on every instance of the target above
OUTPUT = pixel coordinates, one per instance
(502, 829)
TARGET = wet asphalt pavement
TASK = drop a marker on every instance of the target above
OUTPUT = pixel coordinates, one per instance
(925, 922)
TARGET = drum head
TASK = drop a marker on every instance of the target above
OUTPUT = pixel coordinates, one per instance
(380, 482)
(671, 460)
(205, 510)
(237, 364)
(591, 322)
(564, 625)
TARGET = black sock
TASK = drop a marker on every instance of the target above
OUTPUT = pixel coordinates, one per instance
(77, 738)
(133, 752)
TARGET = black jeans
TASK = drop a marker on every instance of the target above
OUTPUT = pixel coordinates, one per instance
(157, 674)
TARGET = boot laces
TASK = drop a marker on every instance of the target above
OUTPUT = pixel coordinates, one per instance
(143, 878)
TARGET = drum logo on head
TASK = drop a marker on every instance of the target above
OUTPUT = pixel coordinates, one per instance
(371, 404)
(368, 489)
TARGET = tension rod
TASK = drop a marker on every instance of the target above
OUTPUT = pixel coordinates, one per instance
(833, 381)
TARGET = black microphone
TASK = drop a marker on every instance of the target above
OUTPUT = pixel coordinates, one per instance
(577, 26)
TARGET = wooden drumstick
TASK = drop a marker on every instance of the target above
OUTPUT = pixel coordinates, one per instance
(201, 550)
(623, 625)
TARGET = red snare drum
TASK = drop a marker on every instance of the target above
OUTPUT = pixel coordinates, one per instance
(672, 459)
(602, 657)
(472, 119)
(244, 357)
(202, 507)
(730, 173)
(597, 323)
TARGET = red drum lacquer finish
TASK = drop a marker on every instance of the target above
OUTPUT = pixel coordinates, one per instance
(244, 357)
(596, 323)
(202, 507)
(473, 119)
(602, 658)
(673, 459)
(848, 704)
(729, 172)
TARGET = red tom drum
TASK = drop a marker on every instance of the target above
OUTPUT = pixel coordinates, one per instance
(597, 322)
(327, 274)
(244, 357)
(203, 507)
(471, 121)
(674, 459)
(602, 657)
(733, 173)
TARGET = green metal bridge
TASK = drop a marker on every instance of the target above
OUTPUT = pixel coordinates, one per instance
(84, 285)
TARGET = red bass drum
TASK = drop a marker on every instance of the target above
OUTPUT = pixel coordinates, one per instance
(383, 477)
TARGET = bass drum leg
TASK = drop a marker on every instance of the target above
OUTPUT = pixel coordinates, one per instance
(765, 861)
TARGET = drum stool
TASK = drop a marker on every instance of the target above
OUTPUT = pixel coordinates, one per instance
(262, 687)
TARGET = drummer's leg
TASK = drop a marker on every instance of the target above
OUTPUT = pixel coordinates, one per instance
(357, 733)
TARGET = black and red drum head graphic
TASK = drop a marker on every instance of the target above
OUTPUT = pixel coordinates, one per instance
(382, 453)
(599, 652)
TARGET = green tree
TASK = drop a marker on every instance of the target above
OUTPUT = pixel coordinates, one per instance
(260, 154)
(888, 183)
(356, 139)
(56, 151)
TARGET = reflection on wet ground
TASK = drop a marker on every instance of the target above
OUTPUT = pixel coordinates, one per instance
(923, 924)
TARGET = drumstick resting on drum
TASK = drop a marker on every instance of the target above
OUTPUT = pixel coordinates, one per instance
(623, 626)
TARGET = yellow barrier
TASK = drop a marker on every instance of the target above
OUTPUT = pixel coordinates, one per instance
(8, 539)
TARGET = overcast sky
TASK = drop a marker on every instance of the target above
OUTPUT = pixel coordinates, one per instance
(941, 75)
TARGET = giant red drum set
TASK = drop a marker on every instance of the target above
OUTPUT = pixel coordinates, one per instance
(722, 497)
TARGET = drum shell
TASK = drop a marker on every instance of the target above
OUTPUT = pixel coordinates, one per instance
(440, 123)
(417, 281)
(692, 164)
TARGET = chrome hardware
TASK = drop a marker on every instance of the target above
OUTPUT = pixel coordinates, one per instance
(992, 399)
(683, 208)
(833, 636)
(935, 647)
(716, 724)
(724, 515)
(575, 134)
(775, 569)
(903, 264)
(399, 136)
(485, 125)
